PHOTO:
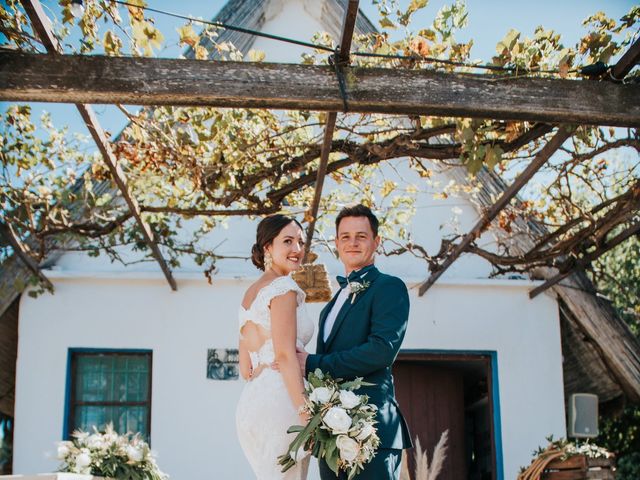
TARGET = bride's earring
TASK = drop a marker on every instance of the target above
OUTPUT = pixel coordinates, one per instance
(268, 261)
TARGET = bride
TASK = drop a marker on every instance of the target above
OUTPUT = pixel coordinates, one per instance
(272, 323)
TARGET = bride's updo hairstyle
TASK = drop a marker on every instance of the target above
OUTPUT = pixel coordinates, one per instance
(268, 229)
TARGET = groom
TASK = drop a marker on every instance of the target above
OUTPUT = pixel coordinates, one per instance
(361, 330)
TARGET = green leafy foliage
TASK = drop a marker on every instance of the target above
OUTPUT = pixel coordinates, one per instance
(190, 168)
(617, 275)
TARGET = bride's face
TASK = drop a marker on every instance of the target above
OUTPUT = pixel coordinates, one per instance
(287, 249)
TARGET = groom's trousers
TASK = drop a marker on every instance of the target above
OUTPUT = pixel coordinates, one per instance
(384, 466)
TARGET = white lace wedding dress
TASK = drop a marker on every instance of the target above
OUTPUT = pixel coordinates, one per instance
(265, 411)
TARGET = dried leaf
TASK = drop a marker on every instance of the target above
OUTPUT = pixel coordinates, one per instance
(188, 35)
(420, 46)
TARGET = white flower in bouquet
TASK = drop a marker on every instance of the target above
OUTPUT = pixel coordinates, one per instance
(107, 454)
(63, 450)
(338, 420)
(135, 454)
(348, 447)
(95, 441)
(82, 437)
(83, 460)
(320, 395)
(365, 432)
(348, 399)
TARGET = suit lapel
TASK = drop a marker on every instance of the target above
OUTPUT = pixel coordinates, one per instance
(370, 276)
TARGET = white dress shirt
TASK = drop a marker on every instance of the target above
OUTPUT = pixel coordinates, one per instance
(331, 317)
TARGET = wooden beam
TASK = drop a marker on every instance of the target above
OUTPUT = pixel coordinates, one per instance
(155, 81)
(6, 231)
(629, 60)
(42, 26)
(561, 135)
(118, 175)
(587, 259)
(329, 127)
(348, 27)
(342, 59)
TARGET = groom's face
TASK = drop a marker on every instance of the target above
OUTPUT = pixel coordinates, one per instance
(356, 243)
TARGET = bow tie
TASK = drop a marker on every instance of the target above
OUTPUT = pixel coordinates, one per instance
(353, 276)
(343, 281)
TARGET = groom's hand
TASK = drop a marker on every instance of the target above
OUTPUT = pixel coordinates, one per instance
(302, 360)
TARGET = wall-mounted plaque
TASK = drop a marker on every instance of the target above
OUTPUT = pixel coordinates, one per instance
(222, 363)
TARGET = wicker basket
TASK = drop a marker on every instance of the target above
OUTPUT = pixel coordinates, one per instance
(314, 280)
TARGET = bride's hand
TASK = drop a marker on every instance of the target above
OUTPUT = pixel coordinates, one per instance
(304, 417)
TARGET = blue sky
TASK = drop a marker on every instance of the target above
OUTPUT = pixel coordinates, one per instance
(489, 20)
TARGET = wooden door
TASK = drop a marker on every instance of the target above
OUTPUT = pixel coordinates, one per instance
(432, 400)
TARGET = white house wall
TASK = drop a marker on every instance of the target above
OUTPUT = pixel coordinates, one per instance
(192, 420)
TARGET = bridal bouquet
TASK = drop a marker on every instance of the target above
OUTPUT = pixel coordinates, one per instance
(108, 454)
(341, 427)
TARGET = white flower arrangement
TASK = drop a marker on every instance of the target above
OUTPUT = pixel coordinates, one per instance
(108, 454)
(561, 449)
(587, 449)
(341, 426)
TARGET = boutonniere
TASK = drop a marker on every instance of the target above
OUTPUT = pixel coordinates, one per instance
(357, 287)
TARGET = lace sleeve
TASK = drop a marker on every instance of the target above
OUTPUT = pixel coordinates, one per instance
(280, 286)
(259, 312)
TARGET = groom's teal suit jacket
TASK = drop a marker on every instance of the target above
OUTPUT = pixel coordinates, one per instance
(364, 342)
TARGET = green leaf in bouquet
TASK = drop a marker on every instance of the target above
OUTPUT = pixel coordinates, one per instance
(323, 435)
(316, 378)
(332, 461)
(295, 428)
(355, 384)
(354, 471)
(330, 447)
(315, 382)
(300, 440)
(317, 447)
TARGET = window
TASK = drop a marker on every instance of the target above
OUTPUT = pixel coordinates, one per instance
(110, 386)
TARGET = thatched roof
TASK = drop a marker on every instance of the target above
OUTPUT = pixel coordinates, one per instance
(253, 14)
(601, 354)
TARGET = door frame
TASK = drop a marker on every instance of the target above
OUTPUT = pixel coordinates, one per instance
(490, 359)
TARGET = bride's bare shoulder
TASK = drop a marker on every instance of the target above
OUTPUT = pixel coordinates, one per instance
(253, 290)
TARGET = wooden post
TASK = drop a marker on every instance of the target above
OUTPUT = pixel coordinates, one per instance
(629, 60)
(584, 261)
(42, 26)
(341, 59)
(561, 135)
(7, 231)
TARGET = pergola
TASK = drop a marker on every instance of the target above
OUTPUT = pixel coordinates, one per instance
(336, 88)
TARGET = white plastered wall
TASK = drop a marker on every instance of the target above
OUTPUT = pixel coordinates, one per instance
(192, 423)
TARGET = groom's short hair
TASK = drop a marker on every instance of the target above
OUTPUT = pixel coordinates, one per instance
(359, 211)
